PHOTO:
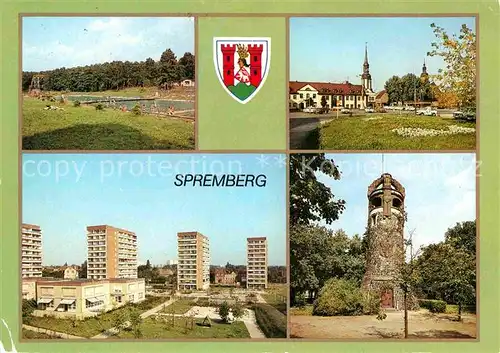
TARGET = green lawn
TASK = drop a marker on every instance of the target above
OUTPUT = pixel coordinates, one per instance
(28, 334)
(276, 295)
(359, 133)
(304, 311)
(180, 306)
(150, 328)
(453, 309)
(84, 128)
(90, 326)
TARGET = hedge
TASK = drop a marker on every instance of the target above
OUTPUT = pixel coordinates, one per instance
(271, 321)
(434, 306)
(340, 297)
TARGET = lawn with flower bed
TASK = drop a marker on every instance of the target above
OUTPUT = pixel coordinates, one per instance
(390, 131)
(183, 327)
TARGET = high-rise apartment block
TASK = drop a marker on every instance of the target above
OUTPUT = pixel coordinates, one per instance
(193, 267)
(112, 253)
(257, 262)
(31, 251)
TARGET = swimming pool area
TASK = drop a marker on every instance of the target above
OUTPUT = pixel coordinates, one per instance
(184, 108)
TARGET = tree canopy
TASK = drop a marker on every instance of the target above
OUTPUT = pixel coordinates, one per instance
(310, 199)
(459, 55)
(318, 254)
(117, 74)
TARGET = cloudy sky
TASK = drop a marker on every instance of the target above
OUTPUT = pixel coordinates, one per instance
(53, 42)
(440, 190)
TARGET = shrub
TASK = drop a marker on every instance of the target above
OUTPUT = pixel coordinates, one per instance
(339, 297)
(223, 310)
(99, 106)
(300, 300)
(270, 320)
(371, 303)
(76, 103)
(28, 307)
(136, 110)
(434, 306)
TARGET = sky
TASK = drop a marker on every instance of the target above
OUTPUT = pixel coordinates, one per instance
(332, 49)
(440, 190)
(65, 193)
(53, 42)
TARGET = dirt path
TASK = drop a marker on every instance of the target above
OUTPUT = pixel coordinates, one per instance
(52, 333)
(422, 324)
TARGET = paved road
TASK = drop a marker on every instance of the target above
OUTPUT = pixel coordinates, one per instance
(304, 133)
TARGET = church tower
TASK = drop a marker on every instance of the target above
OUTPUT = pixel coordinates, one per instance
(424, 76)
(366, 78)
(385, 253)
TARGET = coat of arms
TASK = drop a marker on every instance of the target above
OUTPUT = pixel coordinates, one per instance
(242, 65)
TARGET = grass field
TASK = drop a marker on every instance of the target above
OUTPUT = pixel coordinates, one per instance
(91, 326)
(374, 133)
(28, 334)
(150, 328)
(276, 295)
(84, 128)
(303, 311)
(180, 306)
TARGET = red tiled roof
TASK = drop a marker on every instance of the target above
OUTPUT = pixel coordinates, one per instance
(327, 87)
(380, 94)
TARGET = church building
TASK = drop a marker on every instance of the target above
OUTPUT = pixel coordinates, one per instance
(327, 94)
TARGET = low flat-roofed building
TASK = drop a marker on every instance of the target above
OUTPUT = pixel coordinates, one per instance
(29, 286)
(84, 298)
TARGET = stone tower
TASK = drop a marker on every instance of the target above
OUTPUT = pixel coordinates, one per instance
(385, 252)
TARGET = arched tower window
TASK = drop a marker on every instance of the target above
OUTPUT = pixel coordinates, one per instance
(396, 202)
(376, 202)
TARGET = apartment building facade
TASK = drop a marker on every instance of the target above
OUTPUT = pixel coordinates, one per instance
(193, 267)
(257, 263)
(85, 298)
(31, 251)
(112, 253)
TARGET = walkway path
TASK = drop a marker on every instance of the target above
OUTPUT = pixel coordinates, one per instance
(114, 330)
(52, 333)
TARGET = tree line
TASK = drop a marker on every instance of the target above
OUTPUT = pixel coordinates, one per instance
(409, 88)
(117, 74)
(453, 86)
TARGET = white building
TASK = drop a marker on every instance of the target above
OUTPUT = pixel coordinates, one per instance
(329, 95)
(31, 251)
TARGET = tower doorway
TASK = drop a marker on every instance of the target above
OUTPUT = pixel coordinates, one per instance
(387, 298)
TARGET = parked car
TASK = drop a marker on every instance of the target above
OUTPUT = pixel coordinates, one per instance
(468, 113)
(410, 108)
(345, 111)
(427, 112)
(308, 110)
(369, 110)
